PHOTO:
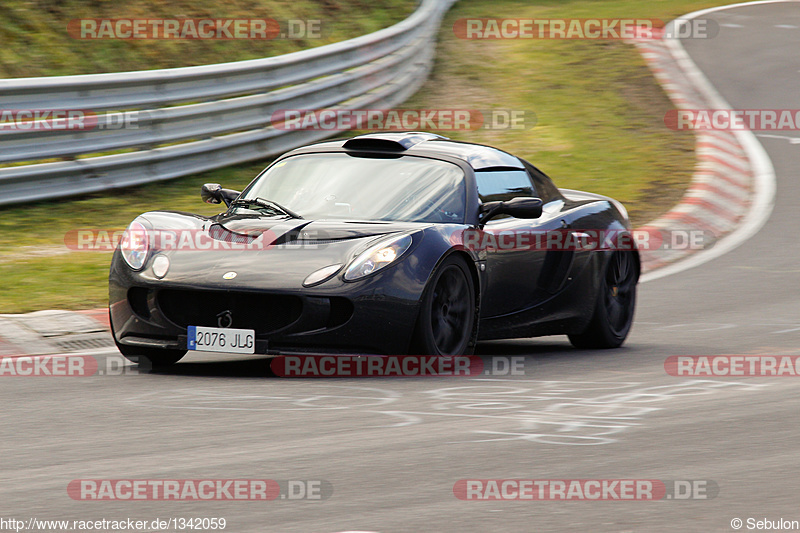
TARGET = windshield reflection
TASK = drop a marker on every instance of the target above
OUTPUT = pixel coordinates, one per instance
(342, 186)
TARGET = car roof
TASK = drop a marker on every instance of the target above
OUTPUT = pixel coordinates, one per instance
(478, 156)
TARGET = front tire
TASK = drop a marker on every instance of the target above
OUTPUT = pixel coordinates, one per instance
(447, 311)
(614, 306)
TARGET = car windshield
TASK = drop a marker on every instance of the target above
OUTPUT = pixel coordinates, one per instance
(342, 186)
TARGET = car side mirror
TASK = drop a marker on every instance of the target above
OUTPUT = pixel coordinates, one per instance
(213, 193)
(519, 207)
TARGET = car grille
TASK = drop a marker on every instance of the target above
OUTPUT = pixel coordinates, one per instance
(264, 313)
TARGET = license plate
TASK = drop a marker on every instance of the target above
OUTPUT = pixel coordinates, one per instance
(228, 340)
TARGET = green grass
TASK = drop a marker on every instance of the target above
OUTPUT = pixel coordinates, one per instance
(77, 281)
(34, 40)
(600, 128)
(599, 110)
(44, 224)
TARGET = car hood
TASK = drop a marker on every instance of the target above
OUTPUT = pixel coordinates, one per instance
(264, 252)
(285, 230)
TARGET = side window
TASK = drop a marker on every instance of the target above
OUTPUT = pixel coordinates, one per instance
(544, 185)
(503, 184)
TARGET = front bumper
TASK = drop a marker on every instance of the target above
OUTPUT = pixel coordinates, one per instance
(371, 316)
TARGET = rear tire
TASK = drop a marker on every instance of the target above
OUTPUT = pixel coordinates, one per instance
(447, 311)
(614, 306)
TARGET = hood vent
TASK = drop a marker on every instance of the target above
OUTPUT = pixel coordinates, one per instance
(390, 142)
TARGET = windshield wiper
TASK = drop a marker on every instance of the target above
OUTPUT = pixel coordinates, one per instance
(267, 204)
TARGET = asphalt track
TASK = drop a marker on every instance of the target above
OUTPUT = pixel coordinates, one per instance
(393, 448)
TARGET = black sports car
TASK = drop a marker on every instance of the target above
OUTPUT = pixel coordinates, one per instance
(386, 243)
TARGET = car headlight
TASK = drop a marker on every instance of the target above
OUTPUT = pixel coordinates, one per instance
(377, 256)
(135, 245)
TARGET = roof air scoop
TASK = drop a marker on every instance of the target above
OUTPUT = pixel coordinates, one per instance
(390, 142)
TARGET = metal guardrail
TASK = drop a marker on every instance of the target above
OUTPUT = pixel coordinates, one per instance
(227, 106)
